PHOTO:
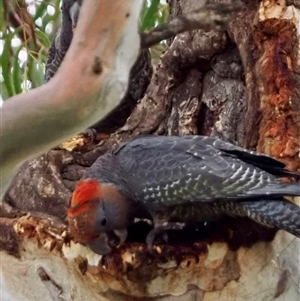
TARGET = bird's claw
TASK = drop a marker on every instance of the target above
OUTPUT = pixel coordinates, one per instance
(160, 230)
(91, 134)
(152, 235)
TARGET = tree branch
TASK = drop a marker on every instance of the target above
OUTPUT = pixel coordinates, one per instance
(84, 90)
(207, 17)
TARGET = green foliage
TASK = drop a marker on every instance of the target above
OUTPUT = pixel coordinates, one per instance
(154, 12)
(26, 31)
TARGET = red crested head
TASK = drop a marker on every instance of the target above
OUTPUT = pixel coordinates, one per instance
(84, 192)
(81, 213)
(97, 208)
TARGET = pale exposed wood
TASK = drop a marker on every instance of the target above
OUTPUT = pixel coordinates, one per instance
(51, 269)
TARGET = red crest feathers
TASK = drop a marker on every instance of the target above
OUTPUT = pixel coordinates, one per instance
(85, 191)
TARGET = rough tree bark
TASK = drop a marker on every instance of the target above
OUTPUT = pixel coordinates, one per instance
(241, 85)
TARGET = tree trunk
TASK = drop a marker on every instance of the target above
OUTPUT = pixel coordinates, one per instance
(240, 85)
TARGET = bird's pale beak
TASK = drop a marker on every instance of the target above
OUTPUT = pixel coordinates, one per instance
(74, 14)
(106, 242)
(121, 234)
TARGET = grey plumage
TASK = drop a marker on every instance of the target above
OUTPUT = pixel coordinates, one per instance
(277, 213)
(193, 178)
(61, 42)
(177, 170)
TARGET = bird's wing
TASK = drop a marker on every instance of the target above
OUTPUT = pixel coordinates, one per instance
(52, 63)
(262, 161)
(176, 170)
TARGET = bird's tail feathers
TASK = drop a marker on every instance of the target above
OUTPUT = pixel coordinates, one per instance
(276, 190)
(279, 213)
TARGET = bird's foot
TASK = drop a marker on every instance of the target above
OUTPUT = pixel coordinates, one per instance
(160, 230)
(94, 136)
(91, 134)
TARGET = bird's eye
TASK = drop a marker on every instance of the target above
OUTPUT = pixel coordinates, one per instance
(103, 222)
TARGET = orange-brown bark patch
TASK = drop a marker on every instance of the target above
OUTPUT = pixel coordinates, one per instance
(279, 133)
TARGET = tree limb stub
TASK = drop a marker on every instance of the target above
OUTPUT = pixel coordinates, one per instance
(89, 84)
(207, 17)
